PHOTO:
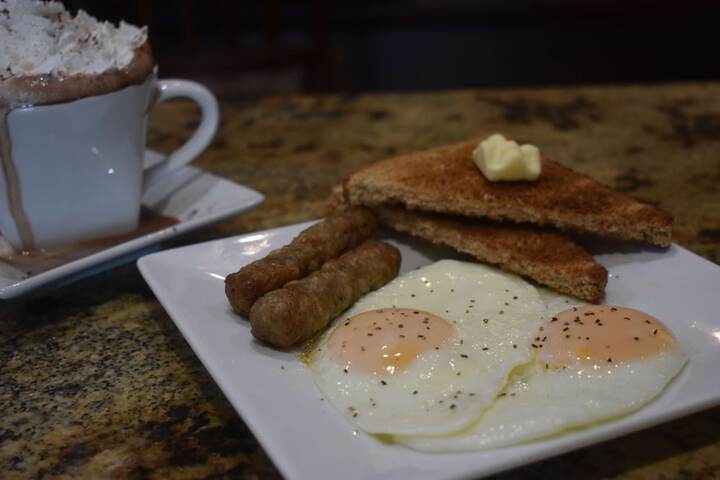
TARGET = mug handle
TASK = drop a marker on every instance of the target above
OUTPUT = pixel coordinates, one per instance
(210, 118)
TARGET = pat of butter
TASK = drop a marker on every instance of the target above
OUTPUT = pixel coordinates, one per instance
(500, 159)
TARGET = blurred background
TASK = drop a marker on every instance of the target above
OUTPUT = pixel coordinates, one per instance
(244, 49)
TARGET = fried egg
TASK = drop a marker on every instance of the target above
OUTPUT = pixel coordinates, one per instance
(591, 364)
(427, 353)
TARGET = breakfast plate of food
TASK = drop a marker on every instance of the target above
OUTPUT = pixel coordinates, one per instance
(440, 322)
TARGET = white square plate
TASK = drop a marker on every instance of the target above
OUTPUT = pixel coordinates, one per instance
(308, 439)
(195, 198)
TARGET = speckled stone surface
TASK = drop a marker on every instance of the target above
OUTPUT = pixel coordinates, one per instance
(96, 381)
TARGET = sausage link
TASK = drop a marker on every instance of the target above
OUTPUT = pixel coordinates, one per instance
(306, 253)
(296, 312)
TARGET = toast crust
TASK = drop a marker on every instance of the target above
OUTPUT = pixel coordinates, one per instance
(446, 180)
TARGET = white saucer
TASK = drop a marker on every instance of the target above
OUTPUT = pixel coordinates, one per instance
(194, 197)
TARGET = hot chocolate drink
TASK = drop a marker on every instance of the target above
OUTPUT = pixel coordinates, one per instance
(49, 56)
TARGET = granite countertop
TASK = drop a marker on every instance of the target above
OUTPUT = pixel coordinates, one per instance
(96, 381)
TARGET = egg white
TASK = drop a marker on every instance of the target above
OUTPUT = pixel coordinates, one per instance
(538, 403)
(496, 316)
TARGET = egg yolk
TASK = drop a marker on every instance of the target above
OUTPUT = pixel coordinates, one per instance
(601, 334)
(387, 340)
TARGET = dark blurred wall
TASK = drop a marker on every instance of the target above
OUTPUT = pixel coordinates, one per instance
(249, 48)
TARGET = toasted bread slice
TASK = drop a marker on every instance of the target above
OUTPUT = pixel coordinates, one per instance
(446, 180)
(546, 256)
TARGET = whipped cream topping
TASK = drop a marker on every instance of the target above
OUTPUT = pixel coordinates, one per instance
(42, 38)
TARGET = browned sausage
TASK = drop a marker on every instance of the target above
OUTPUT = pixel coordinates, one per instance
(296, 312)
(306, 253)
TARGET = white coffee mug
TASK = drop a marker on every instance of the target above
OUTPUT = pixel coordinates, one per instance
(80, 163)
